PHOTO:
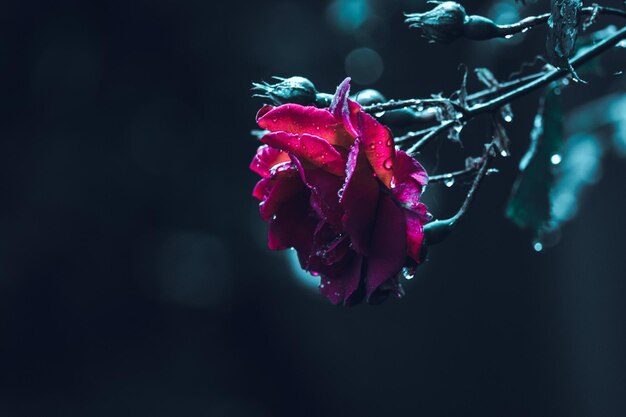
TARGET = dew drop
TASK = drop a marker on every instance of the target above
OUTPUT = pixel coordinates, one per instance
(408, 272)
(380, 142)
(420, 108)
(389, 142)
(379, 114)
(508, 118)
(372, 146)
(508, 36)
(388, 164)
(504, 153)
(525, 30)
(538, 246)
(449, 182)
(555, 159)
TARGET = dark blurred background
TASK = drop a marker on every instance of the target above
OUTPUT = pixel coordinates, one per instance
(134, 274)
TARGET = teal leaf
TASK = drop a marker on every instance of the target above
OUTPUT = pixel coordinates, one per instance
(529, 205)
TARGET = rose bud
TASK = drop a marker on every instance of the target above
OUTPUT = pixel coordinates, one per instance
(442, 24)
(368, 97)
(297, 90)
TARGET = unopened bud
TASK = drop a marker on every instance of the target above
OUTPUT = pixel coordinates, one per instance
(297, 90)
(442, 24)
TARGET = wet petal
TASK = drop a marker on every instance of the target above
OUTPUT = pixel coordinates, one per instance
(415, 231)
(293, 226)
(324, 188)
(279, 190)
(342, 285)
(359, 198)
(308, 148)
(388, 250)
(297, 119)
(379, 147)
(266, 158)
(409, 181)
(341, 109)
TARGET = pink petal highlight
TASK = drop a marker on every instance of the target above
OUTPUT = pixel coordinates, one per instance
(308, 148)
(379, 147)
(388, 250)
(297, 119)
(266, 158)
(340, 107)
(409, 181)
(415, 231)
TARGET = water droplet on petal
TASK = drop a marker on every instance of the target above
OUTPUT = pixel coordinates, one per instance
(379, 114)
(372, 146)
(389, 142)
(449, 182)
(388, 164)
(555, 159)
(508, 118)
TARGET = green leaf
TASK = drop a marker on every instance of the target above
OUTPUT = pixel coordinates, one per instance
(529, 205)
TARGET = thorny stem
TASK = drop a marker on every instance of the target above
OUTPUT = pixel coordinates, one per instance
(521, 86)
(547, 77)
(487, 156)
(434, 179)
(437, 230)
(412, 102)
(532, 21)
(430, 136)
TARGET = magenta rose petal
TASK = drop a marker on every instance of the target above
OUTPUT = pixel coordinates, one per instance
(388, 250)
(341, 109)
(286, 187)
(379, 147)
(266, 157)
(262, 188)
(342, 285)
(308, 148)
(297, 119)
(293, 226)
(415, 233)
(359, 199)
(324, 188)
(409, 180)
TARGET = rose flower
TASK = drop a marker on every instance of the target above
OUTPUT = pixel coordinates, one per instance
(336, 190)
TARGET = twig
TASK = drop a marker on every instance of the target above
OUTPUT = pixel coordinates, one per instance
(451, 176)
(532, 21)
(547, 77)
(420, 143)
